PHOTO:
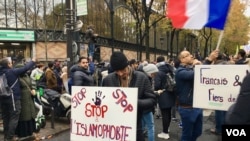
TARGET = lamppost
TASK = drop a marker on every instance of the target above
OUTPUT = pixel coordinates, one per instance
(70, 19)
(71, 29)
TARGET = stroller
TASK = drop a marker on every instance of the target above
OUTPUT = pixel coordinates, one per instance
(40, 118)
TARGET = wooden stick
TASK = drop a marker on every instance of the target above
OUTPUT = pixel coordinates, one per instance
(220, 38)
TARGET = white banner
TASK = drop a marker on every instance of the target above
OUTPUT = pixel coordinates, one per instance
(217, 86)
(103, 114)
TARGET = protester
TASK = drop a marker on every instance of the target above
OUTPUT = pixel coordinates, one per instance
(148, 117)
(91, 39)
(80, 73)
(125, 76)
(26, 124)
(241, 57)
(219, 115)
(166, 99)
(37, 73)
(51, 80)
(134, 64)
(58, 71)
(239, 112)
(64, 77)
(192, 118)
(11, 106)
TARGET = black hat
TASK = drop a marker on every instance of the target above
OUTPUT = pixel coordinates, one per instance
(118, 61)
(160, 59)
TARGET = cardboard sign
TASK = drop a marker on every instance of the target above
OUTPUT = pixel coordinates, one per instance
(217, 86)
(103, 113)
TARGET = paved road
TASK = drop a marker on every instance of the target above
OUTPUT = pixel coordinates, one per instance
(175, 131)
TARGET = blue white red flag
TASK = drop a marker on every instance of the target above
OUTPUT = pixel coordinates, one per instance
(196, 14)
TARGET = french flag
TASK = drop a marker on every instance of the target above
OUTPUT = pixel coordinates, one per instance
(196, 14)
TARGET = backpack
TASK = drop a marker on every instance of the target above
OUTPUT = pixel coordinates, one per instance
(170, 79)
(5, 90)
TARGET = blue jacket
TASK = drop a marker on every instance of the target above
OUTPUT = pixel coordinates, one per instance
(12, 74)
(184, 77)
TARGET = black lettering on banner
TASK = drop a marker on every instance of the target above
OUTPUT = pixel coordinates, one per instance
(236, 132)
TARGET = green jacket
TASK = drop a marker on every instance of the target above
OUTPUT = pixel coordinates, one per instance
(28, 111)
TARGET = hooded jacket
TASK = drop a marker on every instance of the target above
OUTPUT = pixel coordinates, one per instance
(12, 75)
(81, 76)
(166, 99)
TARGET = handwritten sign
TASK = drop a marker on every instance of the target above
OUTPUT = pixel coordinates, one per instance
(103, 113)
(217, 86)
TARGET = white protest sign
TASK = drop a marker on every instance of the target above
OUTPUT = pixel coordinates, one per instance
(103, 114)
(217, 86)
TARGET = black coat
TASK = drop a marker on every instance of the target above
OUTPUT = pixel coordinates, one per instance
(82, 77)
(146, 96)
(166, 99)
(239, 112)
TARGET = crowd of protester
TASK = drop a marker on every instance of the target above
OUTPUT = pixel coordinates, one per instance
(118, 71)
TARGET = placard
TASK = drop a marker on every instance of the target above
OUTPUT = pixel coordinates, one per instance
(103, 113)
(217, 86)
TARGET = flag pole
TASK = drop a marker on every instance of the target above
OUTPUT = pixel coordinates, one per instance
(220, 38)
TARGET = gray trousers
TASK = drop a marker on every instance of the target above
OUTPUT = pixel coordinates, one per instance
(10, 115)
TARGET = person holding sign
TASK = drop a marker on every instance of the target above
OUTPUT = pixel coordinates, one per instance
(124, 76)
(191, 117)
(219, 115)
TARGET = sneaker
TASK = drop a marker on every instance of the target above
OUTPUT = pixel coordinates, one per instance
(163, 135)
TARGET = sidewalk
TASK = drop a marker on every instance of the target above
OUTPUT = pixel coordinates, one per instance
(60, 125)
(175, 131)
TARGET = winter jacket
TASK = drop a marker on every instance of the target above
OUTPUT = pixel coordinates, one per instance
(166, 99)
(241, 61)
(12, 75)
(28, 111)
(51, 80)
(35, 75)
(184, 77)
(146, 96)
(239, 112)
(82, 77)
